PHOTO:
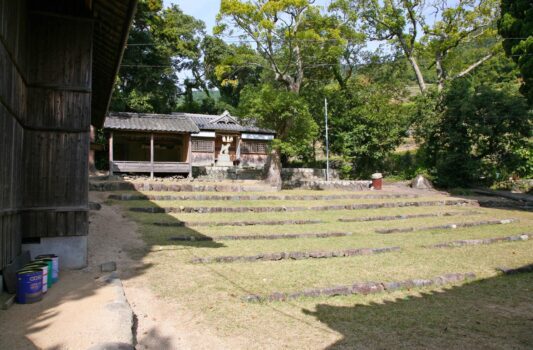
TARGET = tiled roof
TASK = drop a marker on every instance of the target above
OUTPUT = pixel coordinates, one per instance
(223, 122)
(150, 122)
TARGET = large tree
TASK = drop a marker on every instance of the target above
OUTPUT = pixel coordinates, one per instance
(286, 33)
(516, 27)
(284, 111)
(230, 68)
(418, 28)
(161, 43)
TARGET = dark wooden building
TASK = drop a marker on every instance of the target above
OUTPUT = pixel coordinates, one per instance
(58, 62)
(149, 143)
(174, 143)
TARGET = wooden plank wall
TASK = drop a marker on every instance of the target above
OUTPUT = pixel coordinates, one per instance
(12, 109)
(44, 125)
(56, 140)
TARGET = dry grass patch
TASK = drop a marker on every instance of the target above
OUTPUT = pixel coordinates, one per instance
(492, 312)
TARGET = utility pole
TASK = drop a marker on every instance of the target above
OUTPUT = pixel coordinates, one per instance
(327, 139)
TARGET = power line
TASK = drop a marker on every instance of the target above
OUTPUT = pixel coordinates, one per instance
(315, 65)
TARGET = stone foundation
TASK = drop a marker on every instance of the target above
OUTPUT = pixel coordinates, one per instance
(357, 206)
(364, 288)
(294, 255)
(345, 185)
(72, 251)
(307, 174)
(227, 173)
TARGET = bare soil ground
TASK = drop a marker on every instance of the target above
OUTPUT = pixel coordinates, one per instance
(161, 324)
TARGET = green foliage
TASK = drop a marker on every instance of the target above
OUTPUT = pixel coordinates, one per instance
(230, 68)
(367, 123)
(405, 165)
(285, 112)
(289, 35)
(516, 26)
(161, 43)
(481, 136)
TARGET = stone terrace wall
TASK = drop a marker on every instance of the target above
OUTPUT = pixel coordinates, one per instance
(306, 174)
(226, 173)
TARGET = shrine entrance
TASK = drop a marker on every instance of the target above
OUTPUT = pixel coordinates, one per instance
(224, 155)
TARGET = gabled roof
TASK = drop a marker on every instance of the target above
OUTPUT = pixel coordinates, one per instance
(224, 118)
(223, 122)
(150, 122)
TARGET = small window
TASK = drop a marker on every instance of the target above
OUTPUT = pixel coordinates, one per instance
(199, 145)
(254, 147)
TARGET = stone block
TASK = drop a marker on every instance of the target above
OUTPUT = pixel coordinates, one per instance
(108, 266)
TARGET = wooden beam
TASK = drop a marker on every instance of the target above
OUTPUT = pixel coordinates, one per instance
(189, 156)
(238, 151)
(111, 154)
(151, 155)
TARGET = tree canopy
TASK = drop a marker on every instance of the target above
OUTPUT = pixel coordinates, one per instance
(161, 43)
(516, 27)
(390, 69)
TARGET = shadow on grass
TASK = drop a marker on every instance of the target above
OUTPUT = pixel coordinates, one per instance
(22, 324)
(496, 199)
(491, 313)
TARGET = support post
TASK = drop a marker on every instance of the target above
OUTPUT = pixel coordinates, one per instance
(327, 139)
(151, 156)
(111, 154)
(189, 156)
(238, 151)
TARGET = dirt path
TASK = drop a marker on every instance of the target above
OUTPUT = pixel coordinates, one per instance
(87, 311)
(161, 324)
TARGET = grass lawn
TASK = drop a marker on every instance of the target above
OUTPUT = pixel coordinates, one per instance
(492, 311)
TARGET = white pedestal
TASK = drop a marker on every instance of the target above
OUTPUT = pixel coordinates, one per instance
(224, 160)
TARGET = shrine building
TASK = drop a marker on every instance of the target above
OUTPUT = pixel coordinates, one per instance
(175, 143)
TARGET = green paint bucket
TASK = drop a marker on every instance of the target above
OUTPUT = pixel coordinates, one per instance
(55, 265)
(44, 268)
(50, 264)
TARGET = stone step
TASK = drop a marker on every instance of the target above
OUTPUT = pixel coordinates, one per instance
(363, 288)
(260, 237)
(447, 226)
(110, 186)
(294, 255)
(466, 242)
(409, 216)
(237, 223)
(356, 206)
(200, 197)
(344, 185)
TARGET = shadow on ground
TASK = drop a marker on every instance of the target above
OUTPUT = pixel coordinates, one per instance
(493, 313)
(61, 317)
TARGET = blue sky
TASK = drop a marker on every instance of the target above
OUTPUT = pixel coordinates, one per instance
(206, 10)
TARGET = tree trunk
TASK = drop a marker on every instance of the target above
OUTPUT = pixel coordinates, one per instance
(418, 73)
(441, 73)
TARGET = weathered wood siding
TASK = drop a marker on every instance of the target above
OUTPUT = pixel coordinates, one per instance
(56, 140)
(12, 109)
(203, 158)
(253, 159)
(45, 110)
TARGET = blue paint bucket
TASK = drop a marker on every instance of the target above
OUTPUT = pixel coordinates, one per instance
(29, 285)
(44, 268)
(55, 265)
